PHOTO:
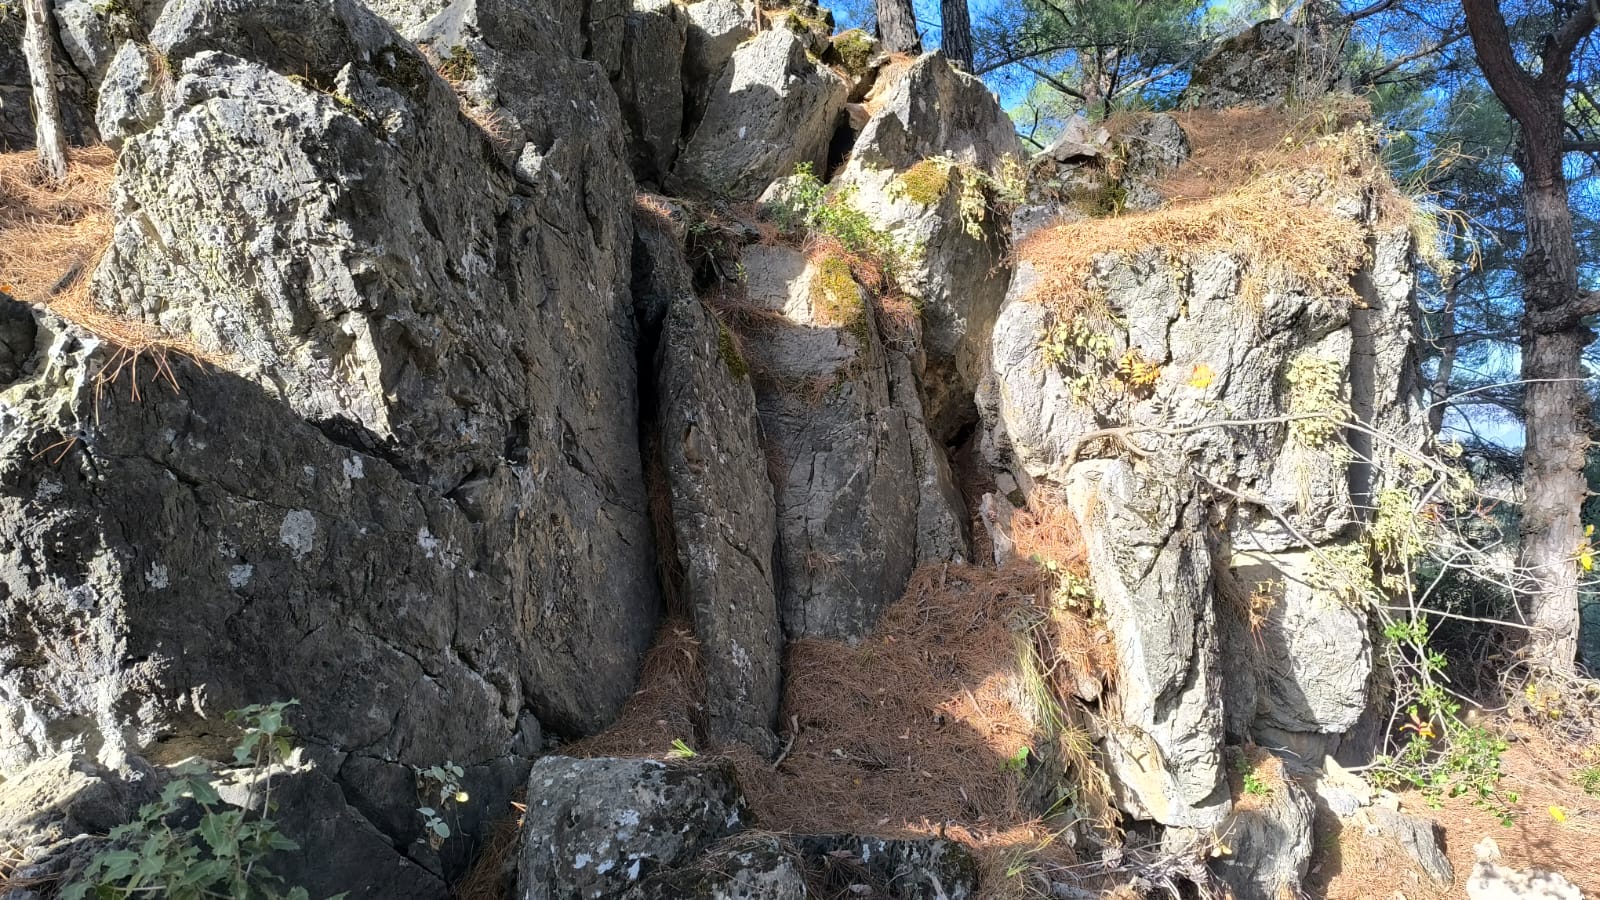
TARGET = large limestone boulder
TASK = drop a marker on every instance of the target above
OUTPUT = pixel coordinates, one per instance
(841, 430)
(772, 109)
(936, 133)
(716, 29)
(596, 827)
(408, 492)
(1151, 568)
(1306, 668)
(724, 519)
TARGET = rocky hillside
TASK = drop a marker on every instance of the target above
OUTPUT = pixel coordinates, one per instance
(987, 511)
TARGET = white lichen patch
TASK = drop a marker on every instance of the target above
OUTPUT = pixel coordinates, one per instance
(354, 469)
(298, 532)
(240, 575)
(158, 577)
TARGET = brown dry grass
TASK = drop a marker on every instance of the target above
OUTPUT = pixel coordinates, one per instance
(1255, 186)
(907, 734)
(1357, 866)
(667, 707)
(52, 237)
(487, 878)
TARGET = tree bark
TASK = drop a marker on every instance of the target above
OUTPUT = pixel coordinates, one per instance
(956, 25)
(37, 43)
(1553, 332)
(897, 26)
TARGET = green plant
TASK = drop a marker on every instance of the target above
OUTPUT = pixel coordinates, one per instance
(445, 781)
(1253, 784)
(1589, 779)
(1315, 386)
(728, 349)
(924, 183)
(854, 49)
(223, 854)
(681, 750)
(1017, 763)
(805, 205)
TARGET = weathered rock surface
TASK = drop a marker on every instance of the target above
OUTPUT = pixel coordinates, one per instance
(850, 494)
(1492, 881)
(1416, 835)
(772, 109)
(934, 869)
(744, 868)
(410, 495)
(1311, 660)
(1151, 567)
(724, 518)
(54, 815)
(960, 271)
(1270, 842)
(1269, 64)
(596, 827)
(650, 85)
(132, 95)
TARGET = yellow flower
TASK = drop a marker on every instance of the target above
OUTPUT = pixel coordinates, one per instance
(1202, 377)
(461, 796)
(1557, 813)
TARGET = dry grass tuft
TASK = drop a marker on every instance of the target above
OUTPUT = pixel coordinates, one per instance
(1258, 186)
(1279, 235)
(52, 238)
(492, 874)
(667, 707)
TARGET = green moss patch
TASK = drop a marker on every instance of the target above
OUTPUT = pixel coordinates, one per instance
(925, 182)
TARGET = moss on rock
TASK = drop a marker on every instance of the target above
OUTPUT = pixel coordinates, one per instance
(925, 182)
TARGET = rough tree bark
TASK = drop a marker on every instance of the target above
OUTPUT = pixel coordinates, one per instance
(37, 43)
(1553, 332)
(956, 28)
(897, 26)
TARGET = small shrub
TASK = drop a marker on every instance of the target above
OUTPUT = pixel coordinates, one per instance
(854, 50)
(445, 780)
(806, 206)
(223, 854)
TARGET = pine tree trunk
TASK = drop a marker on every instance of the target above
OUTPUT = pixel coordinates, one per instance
(1556, 408)
(37, 44)
(897, 26)
(957, 30)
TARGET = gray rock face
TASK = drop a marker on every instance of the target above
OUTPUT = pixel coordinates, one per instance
(54, 815)
(411, 495)
(596, 827)
(772, 109)
(459, 397)
(850, 494)
(1151, 569)
(928, 109)
(650, 85)
(724, 519)
(132, 96)
(1417, 836)
(1269, 64)
(934, 869)
(408, 16)
(744, 867)
(1311, 659)
(1305, 680)
(716, 29)
(1271, 842)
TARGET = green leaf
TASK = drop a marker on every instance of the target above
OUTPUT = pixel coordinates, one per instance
(441, 829)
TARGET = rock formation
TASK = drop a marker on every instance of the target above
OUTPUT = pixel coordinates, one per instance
(469, 413)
